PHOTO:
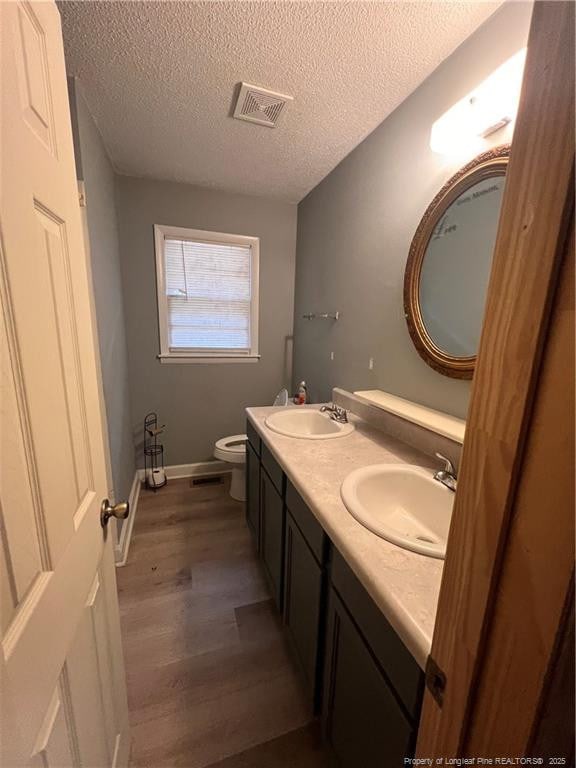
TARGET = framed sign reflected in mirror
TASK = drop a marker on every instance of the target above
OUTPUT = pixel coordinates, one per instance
(449, 264)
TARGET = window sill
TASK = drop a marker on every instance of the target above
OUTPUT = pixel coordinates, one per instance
(194, 359)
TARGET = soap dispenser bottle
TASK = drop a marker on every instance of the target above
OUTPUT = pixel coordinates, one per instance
(302, 394)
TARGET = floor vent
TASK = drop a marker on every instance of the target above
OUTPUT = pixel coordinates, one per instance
(259, 105)
(208, 480)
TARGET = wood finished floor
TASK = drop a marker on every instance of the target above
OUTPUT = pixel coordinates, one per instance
(209, 679)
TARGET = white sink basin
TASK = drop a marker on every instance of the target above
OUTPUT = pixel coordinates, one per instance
(307, 423)
(402, 504)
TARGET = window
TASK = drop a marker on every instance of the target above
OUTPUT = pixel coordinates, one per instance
(207, 295)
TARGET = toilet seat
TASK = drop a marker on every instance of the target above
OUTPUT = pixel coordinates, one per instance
(231, 449)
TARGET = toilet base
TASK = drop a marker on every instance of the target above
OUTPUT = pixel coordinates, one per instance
(238, 484)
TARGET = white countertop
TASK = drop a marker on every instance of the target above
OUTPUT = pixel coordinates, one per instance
(404, 584)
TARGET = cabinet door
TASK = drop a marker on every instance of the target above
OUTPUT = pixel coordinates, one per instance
(302, 601)
(253, 493)
(272, 534)
(362, 720)
(390, 653)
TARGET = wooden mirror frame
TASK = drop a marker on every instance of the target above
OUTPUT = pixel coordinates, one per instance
(491, 163)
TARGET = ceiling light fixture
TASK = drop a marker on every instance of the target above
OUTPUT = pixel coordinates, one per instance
(489, 107)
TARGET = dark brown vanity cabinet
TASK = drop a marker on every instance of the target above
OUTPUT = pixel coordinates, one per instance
(292, 548)
(303, 603)
(359, 676)
(265, 514)
(372, 685)
(272, 535)
(307, 552)
(253, 493)
(362, 720)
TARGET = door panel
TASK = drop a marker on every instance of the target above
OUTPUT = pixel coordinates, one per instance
(33, 83)
(63, 693)
(84, 672)
(54, 746)
(16, 493)
(59, 312)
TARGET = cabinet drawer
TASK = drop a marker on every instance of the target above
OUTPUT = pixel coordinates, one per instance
(273, 468)
(361, 718)
(396, 660)
(310, 527)
(253, 437)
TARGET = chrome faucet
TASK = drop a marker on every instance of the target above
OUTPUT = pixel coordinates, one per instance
(336, 413)
(446, 476)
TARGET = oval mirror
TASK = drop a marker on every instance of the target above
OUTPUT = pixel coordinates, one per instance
(449, 265)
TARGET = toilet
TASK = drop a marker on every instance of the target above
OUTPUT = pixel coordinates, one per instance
(233, 451)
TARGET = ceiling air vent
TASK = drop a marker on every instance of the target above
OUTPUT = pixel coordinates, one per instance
(259, 105)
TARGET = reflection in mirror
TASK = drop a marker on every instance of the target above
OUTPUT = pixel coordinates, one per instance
(449, 265)
(456, 268)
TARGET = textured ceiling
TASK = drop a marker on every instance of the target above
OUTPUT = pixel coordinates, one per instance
(159, 78)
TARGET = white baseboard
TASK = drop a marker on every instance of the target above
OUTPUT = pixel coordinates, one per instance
(123, 545)
(122, 748)
(173, 472)
(176, 471)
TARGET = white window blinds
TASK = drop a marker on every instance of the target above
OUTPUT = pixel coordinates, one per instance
(209, 295)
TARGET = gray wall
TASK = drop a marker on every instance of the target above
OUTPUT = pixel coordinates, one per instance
(355, 229)
(94, 167)
(201, 403)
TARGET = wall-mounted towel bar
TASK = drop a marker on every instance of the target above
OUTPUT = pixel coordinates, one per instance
(321, 316)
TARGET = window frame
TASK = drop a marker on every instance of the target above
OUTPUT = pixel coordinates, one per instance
(168, 355)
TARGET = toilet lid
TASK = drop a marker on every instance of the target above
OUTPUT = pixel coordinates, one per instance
(231, 448)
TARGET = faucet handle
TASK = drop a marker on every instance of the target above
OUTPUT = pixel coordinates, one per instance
(448, 466)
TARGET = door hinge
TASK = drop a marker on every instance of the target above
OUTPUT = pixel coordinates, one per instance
(82, 194)
(435, 681)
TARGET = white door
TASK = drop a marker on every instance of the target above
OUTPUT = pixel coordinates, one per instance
(62, 687)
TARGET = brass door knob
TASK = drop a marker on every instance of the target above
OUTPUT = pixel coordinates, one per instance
(119, 511)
